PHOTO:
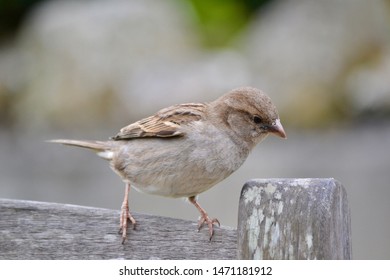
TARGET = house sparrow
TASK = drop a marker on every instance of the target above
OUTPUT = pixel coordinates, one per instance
(185, 149)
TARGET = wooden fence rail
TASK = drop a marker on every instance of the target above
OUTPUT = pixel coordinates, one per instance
(278, 219)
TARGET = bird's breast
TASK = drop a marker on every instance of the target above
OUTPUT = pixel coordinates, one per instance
(178, 167)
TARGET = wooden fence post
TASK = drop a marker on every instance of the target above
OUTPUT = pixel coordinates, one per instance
(294, 219)
(278, 219)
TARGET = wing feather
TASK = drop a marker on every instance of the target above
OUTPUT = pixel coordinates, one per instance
(165, 123)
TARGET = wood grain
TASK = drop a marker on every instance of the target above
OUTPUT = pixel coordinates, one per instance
(39, 230)
(277, 219)
(294, 219)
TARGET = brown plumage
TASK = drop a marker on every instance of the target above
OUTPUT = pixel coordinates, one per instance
(185, 149)
(165, 123)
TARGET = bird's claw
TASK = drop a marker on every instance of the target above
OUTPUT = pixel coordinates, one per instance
(125, 217)
(205, 219)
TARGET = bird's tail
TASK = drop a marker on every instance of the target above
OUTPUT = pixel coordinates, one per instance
(103, 149)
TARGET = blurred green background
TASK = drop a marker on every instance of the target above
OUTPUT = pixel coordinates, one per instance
(84, 69)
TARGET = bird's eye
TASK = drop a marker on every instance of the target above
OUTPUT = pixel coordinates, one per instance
(257, 120)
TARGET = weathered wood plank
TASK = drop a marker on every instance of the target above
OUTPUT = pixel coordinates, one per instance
(39, 230)
(278, 219)
(294, 219)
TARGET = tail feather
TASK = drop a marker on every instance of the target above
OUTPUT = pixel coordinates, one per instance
(102, 148)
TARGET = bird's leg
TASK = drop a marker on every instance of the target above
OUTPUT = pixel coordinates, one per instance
(204, 218)
(125, 215)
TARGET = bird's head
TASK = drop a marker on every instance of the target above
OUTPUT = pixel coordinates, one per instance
(250, 115)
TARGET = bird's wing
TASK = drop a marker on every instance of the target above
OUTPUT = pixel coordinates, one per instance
(165, 123)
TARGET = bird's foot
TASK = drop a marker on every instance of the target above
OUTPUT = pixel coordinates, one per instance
(205, 219)
(125, 217)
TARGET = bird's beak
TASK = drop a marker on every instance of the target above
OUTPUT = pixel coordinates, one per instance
(277, 129)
